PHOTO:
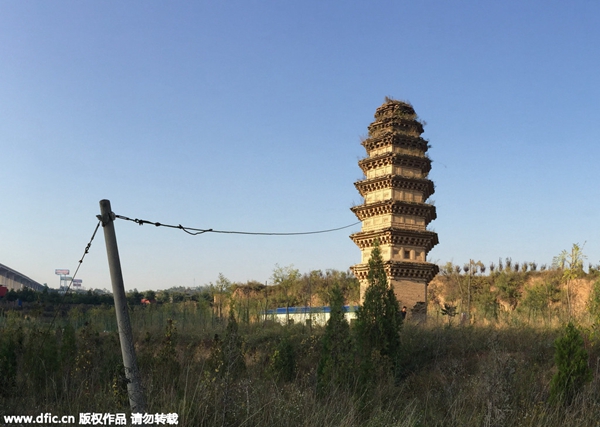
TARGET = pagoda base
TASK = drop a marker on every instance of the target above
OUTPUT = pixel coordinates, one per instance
(412, 294)
(408, 279)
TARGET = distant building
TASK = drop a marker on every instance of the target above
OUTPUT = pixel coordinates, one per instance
(13, 280)
(395, 209)
(308, 315)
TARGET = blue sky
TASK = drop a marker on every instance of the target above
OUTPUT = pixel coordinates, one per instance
(247, 115)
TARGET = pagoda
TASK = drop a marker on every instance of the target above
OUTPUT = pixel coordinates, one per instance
(395, 190)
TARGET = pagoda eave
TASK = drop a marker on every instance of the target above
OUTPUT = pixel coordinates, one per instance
(423, 185)
(401, 270)
(422, 163)
(396, 124)
(396, 140)
(397, 236)
(391, 206)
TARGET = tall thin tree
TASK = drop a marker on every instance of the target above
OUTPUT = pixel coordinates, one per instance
(378, 321)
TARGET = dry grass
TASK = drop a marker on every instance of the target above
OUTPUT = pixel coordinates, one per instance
(480, 375)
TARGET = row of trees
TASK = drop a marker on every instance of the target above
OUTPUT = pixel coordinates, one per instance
(467, 289)
(49, 296)
(572, 260)
(289, 288)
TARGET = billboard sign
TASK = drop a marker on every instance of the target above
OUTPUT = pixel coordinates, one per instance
(62, 272)
(77, 282)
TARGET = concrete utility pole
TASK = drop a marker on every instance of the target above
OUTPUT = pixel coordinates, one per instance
(469, 299)
(134, 384)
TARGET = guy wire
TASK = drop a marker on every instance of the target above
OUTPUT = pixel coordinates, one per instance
(85, 252)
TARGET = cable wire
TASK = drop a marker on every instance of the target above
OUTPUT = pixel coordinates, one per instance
(196, 231)
(85, 252)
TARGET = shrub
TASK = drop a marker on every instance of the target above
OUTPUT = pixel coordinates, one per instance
(232, 349)
(283, 360)
(334, 367)
(571, 359)
(509, 287)
(594, 302)
(486, 302)
(11, 343)
(536, 300)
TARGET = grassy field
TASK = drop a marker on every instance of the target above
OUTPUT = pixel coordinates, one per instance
(487, 374)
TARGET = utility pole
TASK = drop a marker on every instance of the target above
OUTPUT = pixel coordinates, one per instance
(469, 297)
(134, 384)
(310, 313)
(266, 301)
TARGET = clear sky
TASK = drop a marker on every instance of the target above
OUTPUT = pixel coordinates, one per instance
(247, 115)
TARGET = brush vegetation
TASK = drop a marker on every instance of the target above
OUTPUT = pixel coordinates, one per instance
(514, 348)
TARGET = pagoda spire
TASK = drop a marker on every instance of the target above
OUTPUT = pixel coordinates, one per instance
(395, 211)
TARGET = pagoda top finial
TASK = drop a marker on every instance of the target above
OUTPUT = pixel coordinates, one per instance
(395, 117)
(393, 107)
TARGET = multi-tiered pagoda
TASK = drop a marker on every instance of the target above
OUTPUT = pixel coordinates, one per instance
(395, 209)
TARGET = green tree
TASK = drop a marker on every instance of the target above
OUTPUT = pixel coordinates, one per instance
(150, 295)
(450, 311)
(286, 278)
(571, 265)
(167, 355)
(345, 280)
(334, 367)
(536, 300)
(232, 349)
(134, 297)
(486, 299)
(571, 359)
(378, 321)
(509, 286)
(594, 302)
(453, 287)
(220, 290)
(283, 360)
(163, 297)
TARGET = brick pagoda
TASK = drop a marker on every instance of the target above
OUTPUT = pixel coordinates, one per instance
(395, 209)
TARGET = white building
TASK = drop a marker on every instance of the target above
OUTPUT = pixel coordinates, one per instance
(308, 315)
